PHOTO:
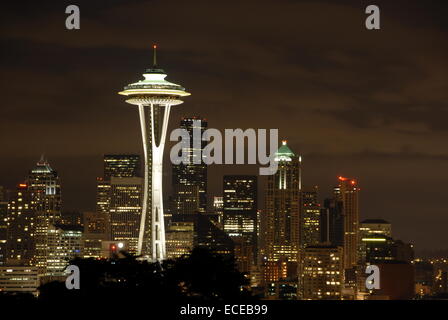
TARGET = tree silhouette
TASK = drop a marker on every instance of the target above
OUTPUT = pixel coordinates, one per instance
(200, 276)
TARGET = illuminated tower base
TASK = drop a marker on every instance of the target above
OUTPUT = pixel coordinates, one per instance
(154, 97)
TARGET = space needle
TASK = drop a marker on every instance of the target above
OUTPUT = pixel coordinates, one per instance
(154, 97)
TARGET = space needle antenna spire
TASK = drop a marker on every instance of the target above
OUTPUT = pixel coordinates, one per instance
(154, 56)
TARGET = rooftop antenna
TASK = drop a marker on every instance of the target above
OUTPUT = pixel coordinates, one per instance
(42, 158)
(154, 56)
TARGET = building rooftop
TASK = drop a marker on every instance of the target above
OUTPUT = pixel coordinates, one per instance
(284, 153)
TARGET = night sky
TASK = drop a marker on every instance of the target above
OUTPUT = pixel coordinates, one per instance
(366, 104)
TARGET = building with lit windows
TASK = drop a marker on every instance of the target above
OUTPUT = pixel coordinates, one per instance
(189, 180)
(321, 275)
(102, 196)
(348, 193)
(96, 230)
(126, 197)
(185, 199)
(205, 233)
(20, 232)
(154, 97)
(281, 225)
(64, 244)
(121, 166)
(240, 217)
(44, 185)
(218, 209)
(310, 220)
(23, 279)
(372, 227)
(377, 245)
(179, 239)
(3, 225)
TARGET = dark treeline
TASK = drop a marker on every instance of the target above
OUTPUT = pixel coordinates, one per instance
(201, 276)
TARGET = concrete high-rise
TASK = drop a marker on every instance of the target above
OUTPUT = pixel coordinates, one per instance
(154, 97)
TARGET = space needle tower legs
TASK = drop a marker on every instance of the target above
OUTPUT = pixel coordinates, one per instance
(154, 97)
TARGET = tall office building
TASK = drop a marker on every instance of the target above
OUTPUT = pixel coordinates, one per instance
(118, 204)
(3, 225)
(64, 244)
(154, 97)
(102, 196)
(185, 177)
(348, 192)
(332, 222)
(240, 217)
(126, 195)
(121, 165)
(281, 235)
(21, 223)
(310, 233)
(179, 239)
(185, 199)
(321, 275)
(43, 183)
(96, 231)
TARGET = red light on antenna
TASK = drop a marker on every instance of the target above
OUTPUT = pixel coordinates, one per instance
(154, 46)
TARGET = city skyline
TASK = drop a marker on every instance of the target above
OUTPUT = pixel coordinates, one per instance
(359, 108)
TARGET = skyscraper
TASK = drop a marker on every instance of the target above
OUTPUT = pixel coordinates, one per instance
(240, 217)
(96, 230)
(102, 196)
(347, 192)
(282, 216)
(185, 199)
(332, 222)
(121, 165)
(43, 183)
(154, 97)
(125, 210)
(310, 233)
(20, 237)
(186, 176)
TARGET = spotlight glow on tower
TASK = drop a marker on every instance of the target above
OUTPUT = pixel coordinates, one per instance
(154, 97)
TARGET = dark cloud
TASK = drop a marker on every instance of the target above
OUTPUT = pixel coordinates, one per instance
(370, 104)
